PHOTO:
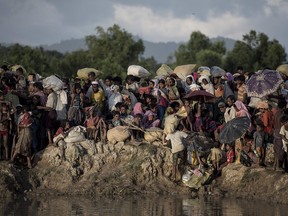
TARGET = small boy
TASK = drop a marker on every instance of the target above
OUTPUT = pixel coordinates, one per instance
(259, 142)
(178, 149)
(215, 156)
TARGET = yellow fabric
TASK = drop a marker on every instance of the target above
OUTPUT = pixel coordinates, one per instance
(98, 97)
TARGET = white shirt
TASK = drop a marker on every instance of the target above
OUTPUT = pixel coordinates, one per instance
(284, 133)
(229, 114)
(176, 140)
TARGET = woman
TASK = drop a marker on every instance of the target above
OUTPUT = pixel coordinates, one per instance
(241, 111)
(188, 82)
(173, 93)
(206, 84)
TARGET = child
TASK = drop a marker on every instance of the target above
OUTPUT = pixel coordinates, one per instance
(138, 122)
(5, 128)
(259, 142)
(23, 145)
(230, 155)
(91, 123)
(178, 148)
(116, 121)
(76, 104)
(215, 156)
(59, 136)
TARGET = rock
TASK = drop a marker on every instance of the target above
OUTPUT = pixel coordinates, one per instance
(121, 168)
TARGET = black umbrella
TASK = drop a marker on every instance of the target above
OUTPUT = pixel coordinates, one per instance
(234, 129)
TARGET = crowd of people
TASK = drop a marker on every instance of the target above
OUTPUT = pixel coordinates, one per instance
(32, 114)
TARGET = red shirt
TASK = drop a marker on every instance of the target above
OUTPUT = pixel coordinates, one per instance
(230, 156)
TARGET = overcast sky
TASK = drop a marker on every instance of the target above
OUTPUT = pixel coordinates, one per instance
(35, 22)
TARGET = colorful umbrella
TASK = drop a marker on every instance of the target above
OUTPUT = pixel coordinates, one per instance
(217, 71)
(200, 95)
(234, 129)
(263, 83)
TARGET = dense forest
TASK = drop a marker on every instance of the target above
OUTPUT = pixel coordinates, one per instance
(113, 50)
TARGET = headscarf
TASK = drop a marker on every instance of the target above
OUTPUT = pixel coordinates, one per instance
(204, 77)
(229, 76)
(190, 76)
(138, 109)
(194, 87)
(242, 109)
(209, 86)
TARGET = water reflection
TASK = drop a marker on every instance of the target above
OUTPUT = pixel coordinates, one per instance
(140, 206)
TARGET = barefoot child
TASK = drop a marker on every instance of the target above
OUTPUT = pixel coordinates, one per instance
(259, 142)
(178, 148)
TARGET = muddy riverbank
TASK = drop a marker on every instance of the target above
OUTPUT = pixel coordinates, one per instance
(124, 169)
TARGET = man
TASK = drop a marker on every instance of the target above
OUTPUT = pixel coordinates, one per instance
(241, 87)
(87, 86)
(278, 147)
(220, 120)
(230, 112)
(97, 96)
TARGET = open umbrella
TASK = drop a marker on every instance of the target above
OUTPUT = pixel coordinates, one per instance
(283, 69)
(217, 71)
(200, 95)
(234, 129)
(263, 83)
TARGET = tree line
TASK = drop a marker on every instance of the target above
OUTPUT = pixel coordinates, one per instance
(113, 50)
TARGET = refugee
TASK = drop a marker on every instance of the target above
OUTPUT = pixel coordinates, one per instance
(259, 143)
(178, 149)
(23, 145)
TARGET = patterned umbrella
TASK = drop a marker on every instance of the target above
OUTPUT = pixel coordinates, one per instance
(234, 129)
(263, 83)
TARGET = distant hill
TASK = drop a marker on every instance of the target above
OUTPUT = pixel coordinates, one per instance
(161, 50)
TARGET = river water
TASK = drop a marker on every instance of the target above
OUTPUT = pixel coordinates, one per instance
(139, 206)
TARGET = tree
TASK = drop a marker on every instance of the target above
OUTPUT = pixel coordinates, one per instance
(275, 55)
(199, 43)
(208, 57)
(114, 50)
(242, 54)
(256, 52)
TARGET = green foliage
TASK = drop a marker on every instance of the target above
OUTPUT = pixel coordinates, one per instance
(255, 52)
(242, 54)
(198, 48)
(34, 60)
(114, 50)
(208, 57)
